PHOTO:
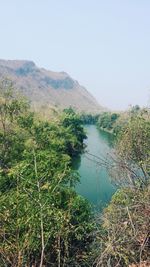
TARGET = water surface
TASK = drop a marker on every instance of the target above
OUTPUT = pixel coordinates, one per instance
(95, 183)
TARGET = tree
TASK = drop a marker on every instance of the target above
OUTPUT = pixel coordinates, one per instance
(43, 220)
(73, 132)
(10, 110)
(133, 153)
(107, 121)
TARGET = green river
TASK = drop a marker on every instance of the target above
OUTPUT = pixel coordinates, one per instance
(95, 184)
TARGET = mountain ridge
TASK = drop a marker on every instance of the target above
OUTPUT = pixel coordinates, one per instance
(48, 88)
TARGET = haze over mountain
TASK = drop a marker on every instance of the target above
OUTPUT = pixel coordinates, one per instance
(47, 88)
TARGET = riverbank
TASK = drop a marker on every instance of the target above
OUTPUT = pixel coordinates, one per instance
(106, 130)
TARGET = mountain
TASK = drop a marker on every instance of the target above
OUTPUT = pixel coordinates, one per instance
(47, 88)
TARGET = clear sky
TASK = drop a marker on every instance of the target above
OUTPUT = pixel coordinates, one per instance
(105, 45)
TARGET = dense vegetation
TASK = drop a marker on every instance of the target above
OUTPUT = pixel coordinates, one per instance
(114, 122)
(125, 233)
(89, 118)
(107, 121)
(43, 220)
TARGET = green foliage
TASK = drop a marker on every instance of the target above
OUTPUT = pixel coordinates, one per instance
(43, 220)
(107, 121)
(73, 132)
(89, 118)
(134, 148)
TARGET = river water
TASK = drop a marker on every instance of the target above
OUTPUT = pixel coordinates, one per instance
(95, 183)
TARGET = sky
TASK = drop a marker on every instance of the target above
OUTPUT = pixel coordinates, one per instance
(105, 45)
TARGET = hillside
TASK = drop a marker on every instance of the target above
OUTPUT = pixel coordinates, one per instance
(47, 88)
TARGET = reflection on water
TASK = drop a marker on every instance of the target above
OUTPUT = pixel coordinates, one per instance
(108, 138)
(95, 184)
(76, 162)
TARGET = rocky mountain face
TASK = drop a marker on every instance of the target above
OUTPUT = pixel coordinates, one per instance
(46, 88)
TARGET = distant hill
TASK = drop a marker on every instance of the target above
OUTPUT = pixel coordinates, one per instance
(47, 88)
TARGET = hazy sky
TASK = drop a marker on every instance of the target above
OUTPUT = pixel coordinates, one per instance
(105, 45)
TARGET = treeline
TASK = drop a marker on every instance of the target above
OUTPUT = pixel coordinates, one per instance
(89, 118)
(115, 122)
(44, 222)
(107, 121)
(112, 122)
